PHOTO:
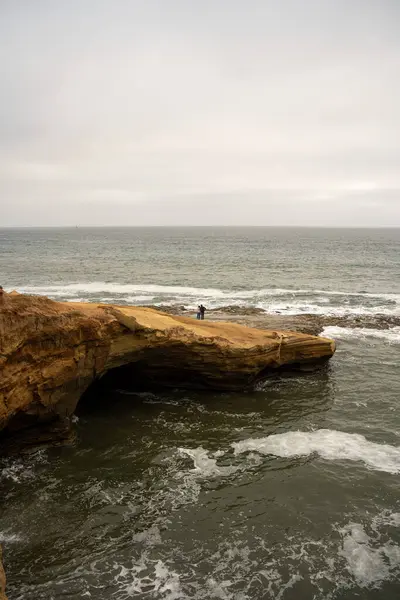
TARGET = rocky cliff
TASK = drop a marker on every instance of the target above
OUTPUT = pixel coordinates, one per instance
(50, 352)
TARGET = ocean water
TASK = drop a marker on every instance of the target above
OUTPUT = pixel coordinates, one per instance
(278, 269)
(288, 492)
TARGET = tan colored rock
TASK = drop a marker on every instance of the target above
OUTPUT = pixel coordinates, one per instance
(50, 352)
(2, 578)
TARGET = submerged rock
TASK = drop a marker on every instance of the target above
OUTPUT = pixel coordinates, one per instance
(50, 353)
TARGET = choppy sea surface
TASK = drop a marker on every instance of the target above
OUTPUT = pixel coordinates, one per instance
(289, 492)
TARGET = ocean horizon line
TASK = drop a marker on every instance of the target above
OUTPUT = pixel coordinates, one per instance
(352, 227)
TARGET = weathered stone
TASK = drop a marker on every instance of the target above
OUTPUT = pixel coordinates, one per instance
(50, 352)
(2, 578)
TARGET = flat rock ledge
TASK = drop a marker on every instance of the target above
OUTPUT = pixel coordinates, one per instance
(51, 352)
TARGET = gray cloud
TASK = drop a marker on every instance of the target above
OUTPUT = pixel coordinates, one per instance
(219, 112)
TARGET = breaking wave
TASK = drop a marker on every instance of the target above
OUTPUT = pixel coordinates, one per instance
(279, 300)
(391, 335)
(328, 444)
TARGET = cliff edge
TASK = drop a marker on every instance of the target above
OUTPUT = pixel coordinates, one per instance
(50, 353)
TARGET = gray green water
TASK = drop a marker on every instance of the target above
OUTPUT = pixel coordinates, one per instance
(289, 492)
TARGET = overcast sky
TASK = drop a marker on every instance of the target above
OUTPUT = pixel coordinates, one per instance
(200, 112)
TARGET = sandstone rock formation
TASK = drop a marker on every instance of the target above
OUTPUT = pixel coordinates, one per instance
(2, 579)
(50, 352)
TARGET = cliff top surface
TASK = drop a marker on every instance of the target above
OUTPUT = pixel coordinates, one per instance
(145, 318)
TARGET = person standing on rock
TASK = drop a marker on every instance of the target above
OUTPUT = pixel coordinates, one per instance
(202, 311)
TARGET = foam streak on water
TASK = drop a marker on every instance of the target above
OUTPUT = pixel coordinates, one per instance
(329, 445)
(392, 335)
(204, 465)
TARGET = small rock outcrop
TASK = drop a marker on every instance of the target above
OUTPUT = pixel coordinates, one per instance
(50, 352)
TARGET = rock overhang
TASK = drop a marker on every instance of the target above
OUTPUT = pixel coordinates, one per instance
(50, 353)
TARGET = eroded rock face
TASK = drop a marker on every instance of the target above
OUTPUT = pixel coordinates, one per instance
(50, 352)
(2, 578)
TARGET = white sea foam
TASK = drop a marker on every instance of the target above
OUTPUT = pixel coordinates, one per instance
(204, 465)
(391, 335)
(99, 287)
(387, 518)
(22, 469)
(363, 557)
(286, 301)
(369, 562)
(9, 538)
(138, 299)
(148, 537)
(366, 564)
(17, 472)
(313, 308)
(156, 579)
(329, 445)
(117, 288)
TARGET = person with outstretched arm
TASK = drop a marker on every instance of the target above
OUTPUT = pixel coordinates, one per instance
(202, 311)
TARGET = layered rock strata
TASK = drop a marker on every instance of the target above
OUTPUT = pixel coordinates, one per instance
(50, 352)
